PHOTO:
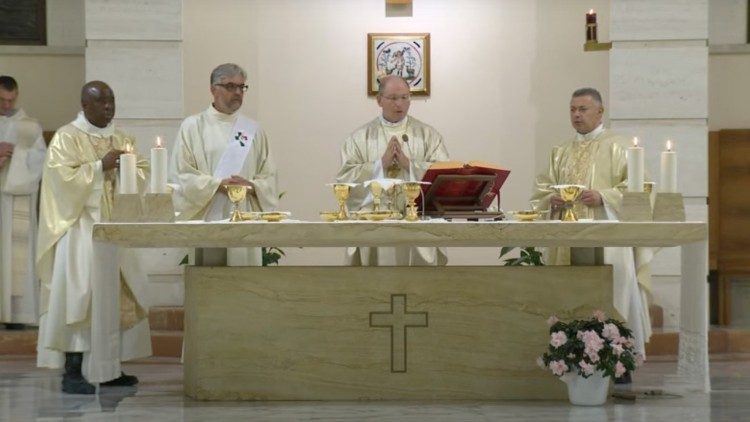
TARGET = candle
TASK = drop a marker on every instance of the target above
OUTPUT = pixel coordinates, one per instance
(668, 170)
(128, 182)
(591, 26)
(158, 168)
(635, 167)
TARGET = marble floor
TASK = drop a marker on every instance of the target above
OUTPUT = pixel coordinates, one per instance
(31, 394)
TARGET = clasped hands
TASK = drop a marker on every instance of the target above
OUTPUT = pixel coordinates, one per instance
(6, 152)
(236, 180)
(394, 154)
(590, 198)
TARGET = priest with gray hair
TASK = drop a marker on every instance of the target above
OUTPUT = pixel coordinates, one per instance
(219, 147)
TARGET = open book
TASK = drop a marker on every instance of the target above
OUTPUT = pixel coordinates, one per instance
(458, 186)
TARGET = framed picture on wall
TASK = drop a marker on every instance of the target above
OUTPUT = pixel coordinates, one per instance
(23, 22)
(405, 55)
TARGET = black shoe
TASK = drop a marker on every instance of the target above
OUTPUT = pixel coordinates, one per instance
(14, 326)
(73, 381)
(122, 381)
(77, 385)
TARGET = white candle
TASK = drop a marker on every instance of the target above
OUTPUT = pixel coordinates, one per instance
(668, 170)
(158, 168)
(635, 167)
(128, 182)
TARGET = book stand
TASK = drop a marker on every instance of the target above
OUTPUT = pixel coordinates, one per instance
(446, 198)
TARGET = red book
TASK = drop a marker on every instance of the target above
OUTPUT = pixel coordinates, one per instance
(462, 186)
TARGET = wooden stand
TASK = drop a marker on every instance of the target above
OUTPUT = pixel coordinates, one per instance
(669, 207)
(158, 208)
(127, 208)
(636, 206)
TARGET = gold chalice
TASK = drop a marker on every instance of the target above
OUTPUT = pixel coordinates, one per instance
(341, 190)
(376, 190)
(236, 194)
(569, 194)
(411, 191)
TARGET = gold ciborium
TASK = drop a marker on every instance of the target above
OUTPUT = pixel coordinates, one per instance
(569, 194)
(376, 190)
(411, 191)
(236, 194)
(341, 190)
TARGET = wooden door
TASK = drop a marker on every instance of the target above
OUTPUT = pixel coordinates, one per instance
(729, 211)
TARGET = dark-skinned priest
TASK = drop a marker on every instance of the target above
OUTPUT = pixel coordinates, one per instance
(78, 184)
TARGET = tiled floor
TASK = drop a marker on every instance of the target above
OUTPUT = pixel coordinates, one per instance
(31, 394)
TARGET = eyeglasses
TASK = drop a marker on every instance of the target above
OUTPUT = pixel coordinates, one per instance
(398, 98)
(233, 87)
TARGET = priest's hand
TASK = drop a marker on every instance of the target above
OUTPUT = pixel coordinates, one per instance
(6, 149)
(236, 180)
(401, 158)
(591, 198)
(390, 153)
(556, 200)
(3, 161)
(112, 159)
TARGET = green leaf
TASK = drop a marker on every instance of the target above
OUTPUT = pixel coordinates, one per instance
(505, 250)
(185, 260)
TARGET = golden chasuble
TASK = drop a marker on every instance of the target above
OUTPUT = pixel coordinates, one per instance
(598, 164)
(71, 177)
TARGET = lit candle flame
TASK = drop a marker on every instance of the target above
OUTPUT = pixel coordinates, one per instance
(158, 141)
(128, 148)
(669, 145)
(635, 142)
(591, 12)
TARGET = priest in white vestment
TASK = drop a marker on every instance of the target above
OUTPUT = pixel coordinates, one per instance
(78, 184)
(394, 145)
(22, 151)
(596, 159)
(220, 147)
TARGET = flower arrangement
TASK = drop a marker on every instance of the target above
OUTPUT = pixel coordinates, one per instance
(585, 346)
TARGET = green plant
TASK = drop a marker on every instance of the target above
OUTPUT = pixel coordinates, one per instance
(588, 345)
(527, 256)
(271, 255)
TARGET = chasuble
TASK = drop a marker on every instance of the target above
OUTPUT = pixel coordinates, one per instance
(200, 144)
(75, 194)
(19, 186)
(597, 161)
(361, 161)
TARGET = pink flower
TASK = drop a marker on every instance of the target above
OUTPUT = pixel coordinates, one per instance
(540, 362)
(558, 339)
(600, 316)
(619, 340)
(591, 340)
(558, 367)
(552, 320)
(593, 356)
(610, 331)
(619, 369)
(586, 368)
(617, 349)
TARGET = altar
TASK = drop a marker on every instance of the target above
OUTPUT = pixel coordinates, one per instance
(368, 333)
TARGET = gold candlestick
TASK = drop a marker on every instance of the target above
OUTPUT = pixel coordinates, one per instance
(376, 190)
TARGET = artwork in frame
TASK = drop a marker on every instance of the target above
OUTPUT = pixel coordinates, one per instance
(23, 22)
(405, 55)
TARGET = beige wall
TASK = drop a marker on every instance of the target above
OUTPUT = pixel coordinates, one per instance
(502, 73)
(50, 77)
(729, 91)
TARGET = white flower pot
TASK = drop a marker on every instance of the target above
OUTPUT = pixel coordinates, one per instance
(591, 391)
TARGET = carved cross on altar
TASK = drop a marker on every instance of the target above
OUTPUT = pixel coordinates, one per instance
(398, 320)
